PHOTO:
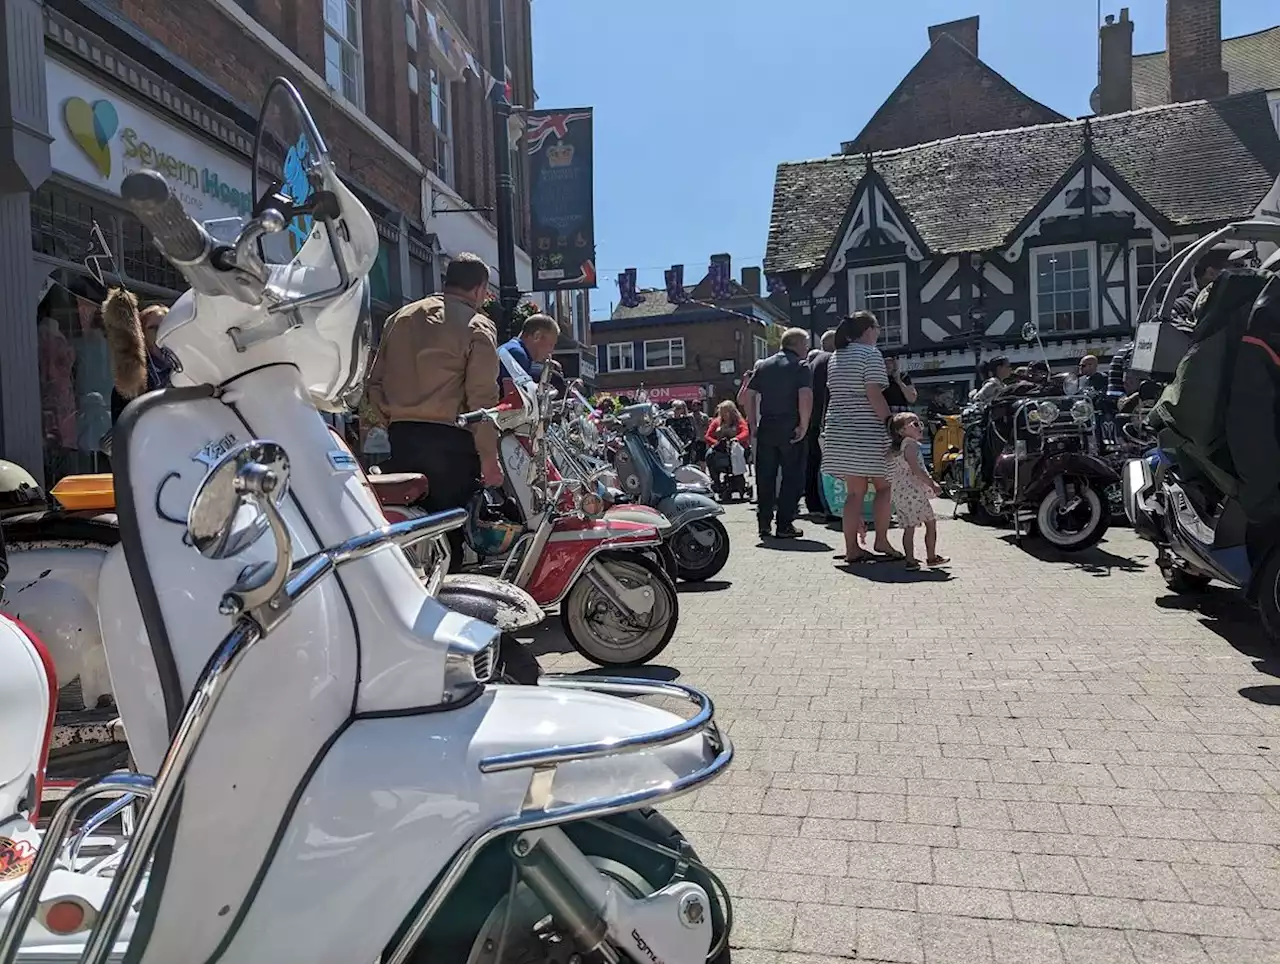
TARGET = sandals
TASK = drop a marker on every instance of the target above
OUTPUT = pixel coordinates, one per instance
(938, 560)
(890, 553)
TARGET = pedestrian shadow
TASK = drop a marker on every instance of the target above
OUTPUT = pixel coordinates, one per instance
(1262, 695)
(1095, 560)
(707, 585)
(792, 545)
(1226, 613)
(893, 571)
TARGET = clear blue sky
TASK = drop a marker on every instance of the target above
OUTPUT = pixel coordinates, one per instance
(697, 101)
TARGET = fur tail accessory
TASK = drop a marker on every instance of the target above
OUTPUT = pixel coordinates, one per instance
(123, 326)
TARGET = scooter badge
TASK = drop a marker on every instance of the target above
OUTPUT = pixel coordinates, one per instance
(16, 857)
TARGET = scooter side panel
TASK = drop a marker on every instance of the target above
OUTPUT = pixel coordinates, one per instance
(395, 799)
(24, 714)
(571, 546)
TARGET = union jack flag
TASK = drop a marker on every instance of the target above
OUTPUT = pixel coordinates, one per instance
(542, 126)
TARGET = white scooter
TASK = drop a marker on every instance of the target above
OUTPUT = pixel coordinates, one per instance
(336, 780)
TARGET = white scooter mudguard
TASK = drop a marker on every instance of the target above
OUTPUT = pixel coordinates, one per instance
(440, 803)
(53, 589)
(692, 475)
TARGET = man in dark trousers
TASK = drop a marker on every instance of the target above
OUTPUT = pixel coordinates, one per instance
(819, 359)
(780, 394)
(439, 358)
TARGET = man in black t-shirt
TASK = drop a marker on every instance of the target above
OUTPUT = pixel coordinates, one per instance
(819, 360)
(780, 391)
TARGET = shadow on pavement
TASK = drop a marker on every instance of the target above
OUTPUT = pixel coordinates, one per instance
(707, 585)
(1095, 560)
(1263, 695)
(1227, 613)
(654, 672)
(792, 545)
(890, 571)
(547, 639)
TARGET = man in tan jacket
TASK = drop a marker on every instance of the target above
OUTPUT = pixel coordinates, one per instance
(438, 358)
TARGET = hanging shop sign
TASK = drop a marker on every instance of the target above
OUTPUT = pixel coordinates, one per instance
(99, 137)
(665, 393)
(561, 201)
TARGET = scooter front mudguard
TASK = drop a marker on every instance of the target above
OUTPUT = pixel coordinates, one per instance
(685, 507)
(642, 515)
(398, 804)
(491, 600)
(572, 546)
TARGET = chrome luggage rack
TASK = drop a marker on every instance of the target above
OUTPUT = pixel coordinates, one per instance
(536, 812)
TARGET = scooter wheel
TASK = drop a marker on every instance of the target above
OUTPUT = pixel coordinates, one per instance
(1184, 583)
(699, 561)
(603, 635)
(639, 849)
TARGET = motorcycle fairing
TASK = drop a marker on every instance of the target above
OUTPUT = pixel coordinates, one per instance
(685, 507)
(436, 801)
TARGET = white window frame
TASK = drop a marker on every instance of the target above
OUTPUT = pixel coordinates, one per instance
(338, 33)
(440, 91)
(759, 347)
(1175, 246)
(1091, 250)
(614, 361)
(862, 272)
(670, 344)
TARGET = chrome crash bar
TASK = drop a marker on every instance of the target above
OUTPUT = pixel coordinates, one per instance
(163, 791)
(545, 761)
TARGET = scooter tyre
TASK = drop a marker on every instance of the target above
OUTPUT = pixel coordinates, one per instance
(516, 664)
(716, 562)
(1091, 538)
(577, 596)
(1269, 597)
(457, 927)
(1184, 583)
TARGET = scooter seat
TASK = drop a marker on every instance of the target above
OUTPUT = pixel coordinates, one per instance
(399, 488)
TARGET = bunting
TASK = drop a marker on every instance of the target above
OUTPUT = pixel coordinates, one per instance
(457, 57)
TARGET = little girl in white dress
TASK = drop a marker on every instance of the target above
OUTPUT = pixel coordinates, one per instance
(912, 489)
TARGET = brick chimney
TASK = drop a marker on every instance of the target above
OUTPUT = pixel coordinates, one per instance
(1193, 36)
(964, 32)
(1115, 64)
(751, 280)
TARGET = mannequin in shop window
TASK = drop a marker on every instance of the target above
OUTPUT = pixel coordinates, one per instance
(138, 363)
(57, 360)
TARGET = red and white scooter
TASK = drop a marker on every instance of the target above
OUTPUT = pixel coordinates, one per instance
(617, 603)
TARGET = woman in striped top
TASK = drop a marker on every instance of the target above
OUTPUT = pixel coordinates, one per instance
(855, 441)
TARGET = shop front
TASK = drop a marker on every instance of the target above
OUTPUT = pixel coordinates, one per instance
(665, 394)
(99, 136)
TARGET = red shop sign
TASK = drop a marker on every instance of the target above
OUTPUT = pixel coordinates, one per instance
(669, 393)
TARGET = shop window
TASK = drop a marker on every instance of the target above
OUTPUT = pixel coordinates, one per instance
(142, 260)
(61, 222)
(342, 62)
(442, 121)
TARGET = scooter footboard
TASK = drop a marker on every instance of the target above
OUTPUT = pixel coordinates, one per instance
(519, 758)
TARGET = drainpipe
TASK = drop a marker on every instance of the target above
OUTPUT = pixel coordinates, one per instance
(508, 286)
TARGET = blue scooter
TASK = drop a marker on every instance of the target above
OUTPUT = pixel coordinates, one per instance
(699, 539)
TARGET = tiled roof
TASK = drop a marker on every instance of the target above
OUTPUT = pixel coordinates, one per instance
(1194, 163)
(655, 304)
(1252, 62)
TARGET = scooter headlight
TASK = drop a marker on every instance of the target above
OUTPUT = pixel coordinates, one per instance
(591, 505)
(1082, 410)
(1047, 413)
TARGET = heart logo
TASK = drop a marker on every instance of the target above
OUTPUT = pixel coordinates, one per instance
(92, 126)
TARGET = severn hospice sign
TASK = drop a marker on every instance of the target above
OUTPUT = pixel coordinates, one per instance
(99, 137)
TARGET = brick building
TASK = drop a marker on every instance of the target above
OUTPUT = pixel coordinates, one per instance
(400, 89)
(696, 351)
